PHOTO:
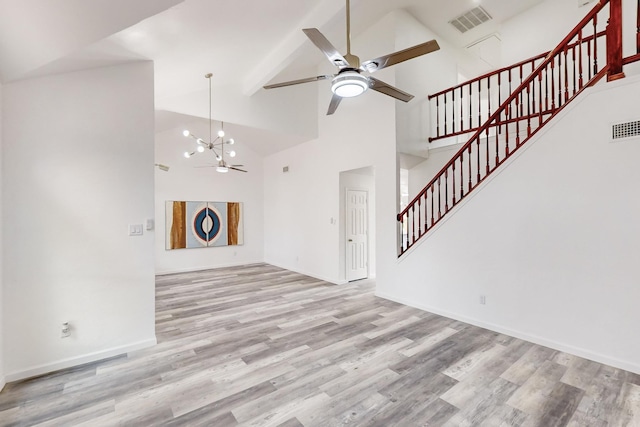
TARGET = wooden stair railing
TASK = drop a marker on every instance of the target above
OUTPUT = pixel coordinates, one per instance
(463, 108)
(561, 76)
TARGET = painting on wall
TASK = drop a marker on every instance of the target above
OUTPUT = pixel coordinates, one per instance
(203, 224)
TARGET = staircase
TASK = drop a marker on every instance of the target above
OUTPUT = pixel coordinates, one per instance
(528, 95)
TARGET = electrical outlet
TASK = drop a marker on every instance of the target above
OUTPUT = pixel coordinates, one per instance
(483, 299)
(65, 330)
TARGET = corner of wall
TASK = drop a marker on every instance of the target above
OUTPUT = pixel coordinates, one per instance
(2, 378)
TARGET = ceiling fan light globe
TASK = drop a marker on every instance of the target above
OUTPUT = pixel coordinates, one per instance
(349, 84)
(232, 153)
(222, 169)
(186, 133)
(231, 141)
(187, 154)
(200, 149)
(220, 133)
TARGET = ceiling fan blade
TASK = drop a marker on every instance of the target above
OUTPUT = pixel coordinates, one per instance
(236, 169)
(333, 105)
(237, 166)
(297, 82)
(387, 89)
(373, 65)
(326, 47)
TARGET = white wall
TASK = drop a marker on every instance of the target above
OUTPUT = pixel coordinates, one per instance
(522, 37)
(629, 27)
(295, 113)
(300, 204)
(2, 380)
(551, 240)
(420, 76)
(423, 173)
(77, 170)
(360, 179)
(185, 180)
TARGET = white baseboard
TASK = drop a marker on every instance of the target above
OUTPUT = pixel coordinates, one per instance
(2, 383)
(162, 272)
(315, 276)
(630, 366)
(237, 264)
(78, 360)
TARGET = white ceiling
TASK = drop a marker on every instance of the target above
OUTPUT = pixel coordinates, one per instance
(34, 33)
(245, 44)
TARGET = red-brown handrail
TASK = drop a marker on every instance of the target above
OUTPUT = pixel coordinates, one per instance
(490, 74)
(449, 104)
(540, 96)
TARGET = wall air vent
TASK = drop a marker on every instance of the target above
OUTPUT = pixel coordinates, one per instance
(626, 130)
(470, 19)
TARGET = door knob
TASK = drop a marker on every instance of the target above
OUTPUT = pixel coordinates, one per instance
(350, 240)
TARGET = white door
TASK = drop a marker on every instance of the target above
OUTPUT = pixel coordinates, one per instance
(357, 242)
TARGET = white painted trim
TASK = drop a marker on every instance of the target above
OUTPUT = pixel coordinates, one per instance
(203, 268)
(577, 351)
(315, 276)
(248, 263)
(79, 360)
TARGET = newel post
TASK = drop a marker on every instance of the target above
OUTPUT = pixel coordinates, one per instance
(614, 41)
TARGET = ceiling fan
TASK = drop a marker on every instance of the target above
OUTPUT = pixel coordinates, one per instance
(218, 143)
(223, 166)
(349, 81)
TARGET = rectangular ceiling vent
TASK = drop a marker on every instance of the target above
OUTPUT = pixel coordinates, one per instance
(626, 130)
(470, 19)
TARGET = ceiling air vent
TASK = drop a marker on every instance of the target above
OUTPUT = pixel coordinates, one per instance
(626, 130)
(470, 19)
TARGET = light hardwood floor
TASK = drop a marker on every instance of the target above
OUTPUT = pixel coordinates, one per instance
(261, 346)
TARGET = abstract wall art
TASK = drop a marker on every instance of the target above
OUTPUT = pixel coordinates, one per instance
(203, 224)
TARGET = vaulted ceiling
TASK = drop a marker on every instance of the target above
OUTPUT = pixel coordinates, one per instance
(245, 44)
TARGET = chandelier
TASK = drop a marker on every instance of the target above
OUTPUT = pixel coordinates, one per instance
(217, 145)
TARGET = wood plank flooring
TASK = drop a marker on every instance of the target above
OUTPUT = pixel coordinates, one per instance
(261, 346)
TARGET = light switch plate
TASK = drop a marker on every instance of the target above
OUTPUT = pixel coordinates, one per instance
(150, 224)
(135, 230)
